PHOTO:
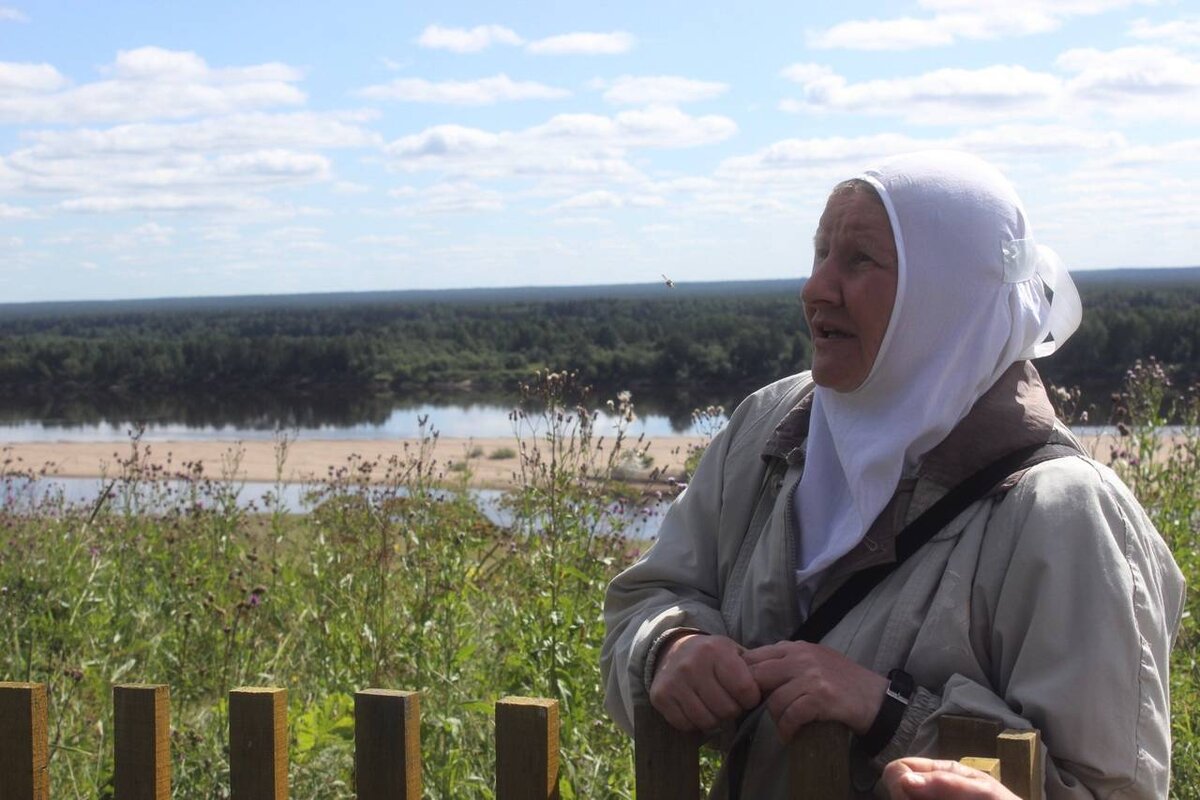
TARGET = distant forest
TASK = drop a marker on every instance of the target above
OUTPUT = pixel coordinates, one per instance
(660, 339)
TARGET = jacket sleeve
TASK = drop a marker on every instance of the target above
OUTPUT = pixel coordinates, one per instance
(674, 585)
(1076, 632)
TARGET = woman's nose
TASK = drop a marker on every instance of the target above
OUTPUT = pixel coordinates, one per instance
(822, 286)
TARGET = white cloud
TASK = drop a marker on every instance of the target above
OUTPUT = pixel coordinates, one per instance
(254, 169)
(147, 83)
(1131, 82)
(827, 160)
(1038, 140)
(1130, 73)
(17, 78)
(211, 164)
(780, 160)
(151, 234)
(659, 90)
(581, 222)
(958, 20)
(588, 145)
(164, 201)
(647, 201)
(659, 127)
(392, 240)
(467, 40)
(1167, 154)
(8, 14)
(600, 198)
(233, 132)
(930, 98)
(294, 238)
(1182, 32)
(482, 92)
(584, 44)
(449, 197)
(905, 33)
(16, 212)
(805, 73)
(350, 187)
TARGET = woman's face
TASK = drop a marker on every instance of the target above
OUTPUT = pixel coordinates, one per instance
(848, 300)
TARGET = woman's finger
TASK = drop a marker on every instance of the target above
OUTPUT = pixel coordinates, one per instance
(766, 652)
(801, 711)
(718, 701)
(738, 681)
(698, 713)
(928, 779)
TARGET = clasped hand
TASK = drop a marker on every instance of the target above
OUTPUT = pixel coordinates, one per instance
(704, 681)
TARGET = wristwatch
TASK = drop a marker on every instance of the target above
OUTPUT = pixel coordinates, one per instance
(895, 701)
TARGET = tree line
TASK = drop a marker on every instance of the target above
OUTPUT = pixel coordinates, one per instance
(674, 342)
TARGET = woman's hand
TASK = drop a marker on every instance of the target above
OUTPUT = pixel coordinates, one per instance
(701, 682)
(926, 779)
(806, 682)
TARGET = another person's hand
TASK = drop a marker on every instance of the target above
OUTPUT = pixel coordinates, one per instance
(701, 682)
(926, 779)
(805, 682)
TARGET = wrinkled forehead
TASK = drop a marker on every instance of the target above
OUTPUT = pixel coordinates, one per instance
(854, 211)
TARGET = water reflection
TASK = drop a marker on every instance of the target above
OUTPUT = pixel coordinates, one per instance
(21, 494)
(319, 415)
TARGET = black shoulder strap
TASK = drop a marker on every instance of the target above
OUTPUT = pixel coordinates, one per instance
(918, 532)
(914, 536)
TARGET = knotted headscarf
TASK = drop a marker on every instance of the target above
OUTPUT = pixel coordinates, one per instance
(974, 294)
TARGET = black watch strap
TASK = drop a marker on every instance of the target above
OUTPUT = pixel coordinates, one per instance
(895, 702)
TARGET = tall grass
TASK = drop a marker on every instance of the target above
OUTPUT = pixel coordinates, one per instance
(1164, 473)
(393, 582)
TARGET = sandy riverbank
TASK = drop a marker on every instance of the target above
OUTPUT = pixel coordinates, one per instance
(311, 459)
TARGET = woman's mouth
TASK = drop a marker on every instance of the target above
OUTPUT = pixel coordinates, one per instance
(831, 332)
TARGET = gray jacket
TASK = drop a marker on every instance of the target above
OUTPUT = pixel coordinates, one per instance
(1051, 604)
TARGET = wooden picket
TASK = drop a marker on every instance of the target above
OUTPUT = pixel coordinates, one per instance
(666, 762)
(258, 740)
(1018, 753)
(142, 742)
(387, 745)
(387, 749)
(526, 749)
(24, 742)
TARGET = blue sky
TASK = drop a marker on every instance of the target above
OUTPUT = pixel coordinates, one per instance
(164, 149)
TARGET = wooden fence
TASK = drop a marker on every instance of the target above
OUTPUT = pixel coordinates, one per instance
(387, 755)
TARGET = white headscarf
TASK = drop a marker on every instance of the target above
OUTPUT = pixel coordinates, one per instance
(971, 300)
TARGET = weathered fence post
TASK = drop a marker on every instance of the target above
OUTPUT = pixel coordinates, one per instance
(960, 737)
(387, 745)
(1020, 755)
(819, 756)
(142, 742)
(1017, 752)
(258, 742)
(666, 761)
(24, 742)
(526, 749)
(988, 766)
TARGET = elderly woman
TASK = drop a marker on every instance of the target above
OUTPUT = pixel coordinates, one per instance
(1044, 599)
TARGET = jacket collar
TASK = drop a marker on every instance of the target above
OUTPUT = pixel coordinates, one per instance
(1014, 413)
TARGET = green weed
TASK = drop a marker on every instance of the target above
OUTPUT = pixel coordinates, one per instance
(392, 581)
